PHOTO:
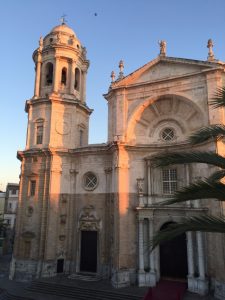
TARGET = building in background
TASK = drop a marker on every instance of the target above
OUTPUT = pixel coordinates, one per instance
(94, 208)
(2, 210)
(10, 210)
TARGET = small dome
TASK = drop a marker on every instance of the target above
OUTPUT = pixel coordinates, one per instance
(63, 28)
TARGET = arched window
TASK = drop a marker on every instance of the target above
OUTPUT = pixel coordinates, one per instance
(77, 79)
(49, 73)
(63, 76)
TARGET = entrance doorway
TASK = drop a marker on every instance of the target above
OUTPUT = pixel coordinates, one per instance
(60, 265)
(173, 256)
(88, 254)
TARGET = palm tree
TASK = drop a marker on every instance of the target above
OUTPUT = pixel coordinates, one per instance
(208, 188)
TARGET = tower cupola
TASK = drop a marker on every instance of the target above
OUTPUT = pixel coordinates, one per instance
(61, 65)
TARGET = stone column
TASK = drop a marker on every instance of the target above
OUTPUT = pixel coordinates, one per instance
(152, 255)
(83, 80)
(201, 260)
(72, 75)
(190, 257)
(149, 175)
(187, 179)
(37, 75)
(141, 272)
(190, 254)
(202, 281)
(56, 75)
(141, 248)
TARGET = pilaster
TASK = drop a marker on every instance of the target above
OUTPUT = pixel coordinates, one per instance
(56, 75)
(37, 75)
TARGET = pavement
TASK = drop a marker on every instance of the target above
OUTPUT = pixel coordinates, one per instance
(20, 291)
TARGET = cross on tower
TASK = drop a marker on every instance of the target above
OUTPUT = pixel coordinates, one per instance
(63, 19)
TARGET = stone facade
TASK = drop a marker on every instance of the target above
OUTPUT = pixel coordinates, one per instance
(73, 193)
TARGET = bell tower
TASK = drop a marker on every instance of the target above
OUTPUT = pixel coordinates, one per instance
(58, 116)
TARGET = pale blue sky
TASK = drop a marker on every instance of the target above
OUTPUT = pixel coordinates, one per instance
(122, 29)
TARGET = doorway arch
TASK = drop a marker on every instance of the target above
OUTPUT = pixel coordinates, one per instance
(173, 256)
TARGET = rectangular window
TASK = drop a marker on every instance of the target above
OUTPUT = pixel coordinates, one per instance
(39, 138)
(169, 181)
(14, 192)
(32, 187)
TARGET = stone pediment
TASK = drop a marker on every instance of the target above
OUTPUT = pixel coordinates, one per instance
(164, 68)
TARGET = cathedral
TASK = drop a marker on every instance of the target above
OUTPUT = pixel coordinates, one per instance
(94, 208)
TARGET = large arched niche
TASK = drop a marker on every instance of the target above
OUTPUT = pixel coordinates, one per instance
(148, 122)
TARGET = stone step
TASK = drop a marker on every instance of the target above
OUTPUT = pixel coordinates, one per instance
(7, 296)
(85, 277)
(78, 293)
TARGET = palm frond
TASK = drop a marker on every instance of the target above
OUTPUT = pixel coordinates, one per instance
(166, 159)
(219, 99)
(216, 131)
(203, 223)
(216, 176)
(198, 190)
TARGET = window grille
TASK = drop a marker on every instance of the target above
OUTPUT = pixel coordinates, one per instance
(168, 134)
(90, 181)
(169, 179)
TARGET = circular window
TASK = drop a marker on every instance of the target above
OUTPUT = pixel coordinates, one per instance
(90, 181)
(168, 134)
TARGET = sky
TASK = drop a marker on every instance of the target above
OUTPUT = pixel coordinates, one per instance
(110, 30)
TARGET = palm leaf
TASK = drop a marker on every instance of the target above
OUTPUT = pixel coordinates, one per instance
(203, 223)
(219, 99)
(216, 131)
(166, 159)
(216, 176)
(198, 190)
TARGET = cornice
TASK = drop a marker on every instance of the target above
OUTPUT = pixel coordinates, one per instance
(55, 98)
(171, 208)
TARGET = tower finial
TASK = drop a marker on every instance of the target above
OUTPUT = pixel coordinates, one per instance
(162, 45)
(211, 56)
(113, 75)
(121, 67)
(41, 43)
(63, 19)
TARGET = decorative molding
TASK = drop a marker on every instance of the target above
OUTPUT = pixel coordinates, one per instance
(63, 219)
(62, 237)
(88, 219)
(30, 211)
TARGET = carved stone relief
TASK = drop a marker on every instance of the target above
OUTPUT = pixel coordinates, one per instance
(88, 219)
(30, 211)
